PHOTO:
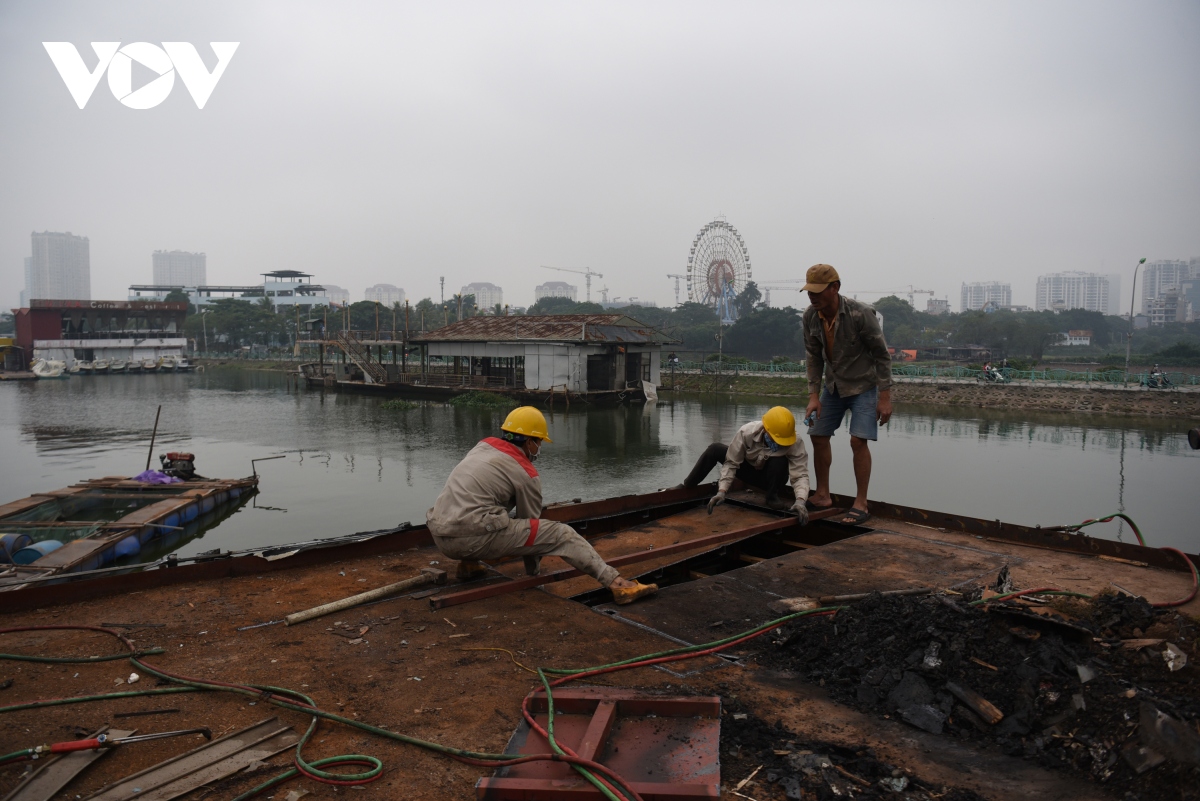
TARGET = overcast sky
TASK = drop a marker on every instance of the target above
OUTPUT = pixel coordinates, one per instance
(904, 143)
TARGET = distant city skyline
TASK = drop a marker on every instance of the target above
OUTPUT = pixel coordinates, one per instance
(179, 268)
(60, 267)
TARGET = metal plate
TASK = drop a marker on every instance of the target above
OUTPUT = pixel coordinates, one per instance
(666, 747)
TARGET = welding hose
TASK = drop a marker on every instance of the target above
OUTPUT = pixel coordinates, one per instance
(673, 655)
(1142, 541)
(304, 705)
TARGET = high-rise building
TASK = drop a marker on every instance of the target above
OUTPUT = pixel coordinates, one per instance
(978, 294)
(385, 294)
(1160, 277)
(555, 289)
(61, 267)
(1077, 290)
(337, 296)
(487, 296)
(28, 282)
(937, 306)
(179, 268)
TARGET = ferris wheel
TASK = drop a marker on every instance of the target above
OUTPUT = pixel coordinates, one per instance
(718, 267)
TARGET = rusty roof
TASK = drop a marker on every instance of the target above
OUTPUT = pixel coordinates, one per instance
(549, 327)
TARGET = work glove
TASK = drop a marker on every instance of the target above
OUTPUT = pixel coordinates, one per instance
(716, 501)
(801, 513)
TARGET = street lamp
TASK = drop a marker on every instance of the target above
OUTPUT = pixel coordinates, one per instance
(204, 325)
(1129, 336)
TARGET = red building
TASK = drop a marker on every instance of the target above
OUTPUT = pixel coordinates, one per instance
(69, 330)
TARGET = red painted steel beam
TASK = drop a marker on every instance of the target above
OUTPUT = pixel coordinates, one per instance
(712, 540)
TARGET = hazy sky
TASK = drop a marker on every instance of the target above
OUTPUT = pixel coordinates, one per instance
(922, 143)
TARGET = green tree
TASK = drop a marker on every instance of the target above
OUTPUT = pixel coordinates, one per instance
(747, 300)
(766, 333)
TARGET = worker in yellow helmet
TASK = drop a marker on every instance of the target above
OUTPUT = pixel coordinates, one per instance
(470, 520)
(763, 454)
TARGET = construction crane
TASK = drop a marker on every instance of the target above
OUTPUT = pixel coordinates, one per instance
(587, 274)
(604, 295)
(908, 291)
(676, 277)
(778, 287)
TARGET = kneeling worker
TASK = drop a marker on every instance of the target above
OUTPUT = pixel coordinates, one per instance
(470, 521)
(763, 454)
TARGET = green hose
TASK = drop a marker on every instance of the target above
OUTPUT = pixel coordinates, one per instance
(79, 699)
(67, 660)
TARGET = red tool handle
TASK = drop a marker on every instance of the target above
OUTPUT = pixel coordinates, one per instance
(76, 745)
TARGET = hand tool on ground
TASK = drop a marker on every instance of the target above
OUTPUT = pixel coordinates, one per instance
(104, 741)
(429, 575)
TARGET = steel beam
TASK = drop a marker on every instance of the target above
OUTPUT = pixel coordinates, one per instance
(712, 540)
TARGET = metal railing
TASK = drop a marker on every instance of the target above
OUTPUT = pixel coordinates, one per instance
(1051, 375)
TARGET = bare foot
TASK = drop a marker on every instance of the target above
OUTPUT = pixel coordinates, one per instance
(820, 501)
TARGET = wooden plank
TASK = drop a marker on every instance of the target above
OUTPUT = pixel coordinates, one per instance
(713, 540)
(210, 762)
(55, 774)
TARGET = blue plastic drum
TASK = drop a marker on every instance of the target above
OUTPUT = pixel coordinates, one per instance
(10, 544)
(130, 546)
(31, 553)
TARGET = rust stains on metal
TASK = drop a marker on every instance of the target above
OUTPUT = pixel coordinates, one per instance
(614, 328)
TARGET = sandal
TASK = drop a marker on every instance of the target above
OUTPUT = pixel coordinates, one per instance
(853, 517)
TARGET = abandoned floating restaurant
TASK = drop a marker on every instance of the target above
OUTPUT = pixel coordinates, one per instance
(590, 356)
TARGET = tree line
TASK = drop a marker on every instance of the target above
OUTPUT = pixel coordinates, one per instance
(761, 332)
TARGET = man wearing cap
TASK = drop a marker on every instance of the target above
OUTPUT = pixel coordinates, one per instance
(470, 520)
(843, 340)
(763, 453)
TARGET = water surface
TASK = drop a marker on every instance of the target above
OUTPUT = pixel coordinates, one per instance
(351, 465)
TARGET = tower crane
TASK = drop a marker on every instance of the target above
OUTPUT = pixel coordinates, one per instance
(604, 294)
(677, 277)
(587, 274)
(778, 286)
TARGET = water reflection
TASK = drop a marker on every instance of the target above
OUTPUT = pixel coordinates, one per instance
(353, 465)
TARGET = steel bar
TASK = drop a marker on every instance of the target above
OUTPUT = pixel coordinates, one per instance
(491, 590)
(57, 773)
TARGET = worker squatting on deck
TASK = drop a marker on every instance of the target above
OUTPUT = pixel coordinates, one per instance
(470, 520)
(763, 454)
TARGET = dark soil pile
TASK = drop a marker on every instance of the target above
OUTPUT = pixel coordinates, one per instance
(790, 768)
(1087, 690)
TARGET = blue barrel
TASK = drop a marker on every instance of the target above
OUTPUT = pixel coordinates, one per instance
(171, 521)
(207, 504)
(10, 544)
(189, 513)
(130, 546)
(31, 553)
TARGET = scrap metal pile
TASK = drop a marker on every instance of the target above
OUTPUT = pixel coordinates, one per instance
(1104, 687)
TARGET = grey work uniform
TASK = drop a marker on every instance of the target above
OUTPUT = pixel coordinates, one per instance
(470, 520)
(749, 446)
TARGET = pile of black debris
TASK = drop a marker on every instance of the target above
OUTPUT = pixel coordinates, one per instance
(781, 767)
(1107, 688)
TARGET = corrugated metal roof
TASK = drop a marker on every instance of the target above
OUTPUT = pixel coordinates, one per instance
(550, 327)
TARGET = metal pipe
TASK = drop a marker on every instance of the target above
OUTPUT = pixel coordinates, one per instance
(429, 575)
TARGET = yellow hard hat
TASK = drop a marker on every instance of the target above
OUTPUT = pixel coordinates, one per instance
(781, 425)
(529, 422)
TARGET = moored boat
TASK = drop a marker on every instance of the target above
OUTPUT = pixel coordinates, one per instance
(117, 366)
(93, 524)
(49, 368)
(100, 366)
(149, 365)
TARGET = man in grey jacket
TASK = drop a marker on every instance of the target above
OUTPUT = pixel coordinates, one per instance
(849, 370)
(470, 520)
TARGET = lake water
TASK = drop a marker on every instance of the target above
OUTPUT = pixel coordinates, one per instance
(351, 465)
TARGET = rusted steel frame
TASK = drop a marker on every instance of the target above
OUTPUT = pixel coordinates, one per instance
(1070, 542)
(610, 514)
(492, 590)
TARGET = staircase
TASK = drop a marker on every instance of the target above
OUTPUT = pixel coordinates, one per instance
(373, 372)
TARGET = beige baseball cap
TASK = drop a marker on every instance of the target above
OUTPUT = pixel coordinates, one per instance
(820, 276)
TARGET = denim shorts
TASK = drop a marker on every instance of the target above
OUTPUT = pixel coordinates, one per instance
(864, 421)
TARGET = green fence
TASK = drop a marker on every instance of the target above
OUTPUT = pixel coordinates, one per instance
(1049, 375)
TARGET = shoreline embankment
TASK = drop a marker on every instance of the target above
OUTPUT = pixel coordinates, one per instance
(1079, 398)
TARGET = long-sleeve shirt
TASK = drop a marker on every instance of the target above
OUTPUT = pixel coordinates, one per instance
(749, 446)
(492, 478)
(860, 357)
